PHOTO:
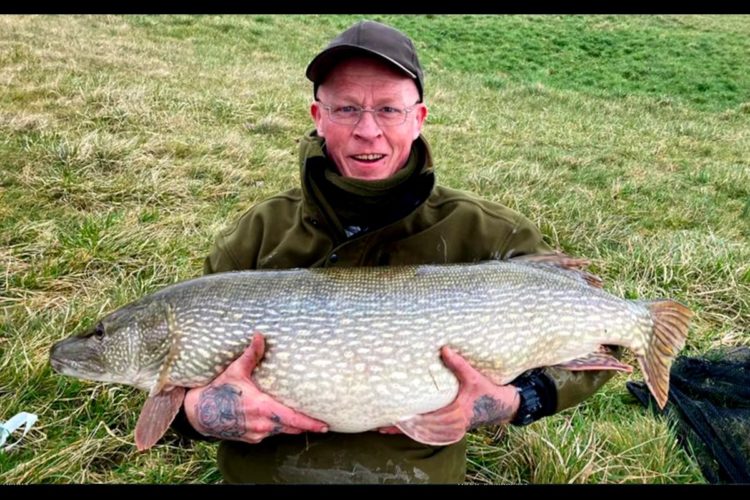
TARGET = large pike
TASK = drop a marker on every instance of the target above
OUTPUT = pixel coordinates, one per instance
(358, 348)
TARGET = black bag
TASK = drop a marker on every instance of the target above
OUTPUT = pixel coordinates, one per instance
(710, 401)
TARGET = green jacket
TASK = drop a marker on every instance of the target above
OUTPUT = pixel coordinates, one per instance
(307, 227)
(300, 228)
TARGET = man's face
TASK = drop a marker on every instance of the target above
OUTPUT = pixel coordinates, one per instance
(368, 150)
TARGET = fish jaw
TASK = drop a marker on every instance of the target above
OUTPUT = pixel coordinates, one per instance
(78, 357)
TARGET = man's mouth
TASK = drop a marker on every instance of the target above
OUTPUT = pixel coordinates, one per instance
(372, 157)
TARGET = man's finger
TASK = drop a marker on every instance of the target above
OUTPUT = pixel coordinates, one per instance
(457, 364)
(264, 427)
(292, 418)
(257, 348)
(248, 360)
(292, 430)
(390, 430)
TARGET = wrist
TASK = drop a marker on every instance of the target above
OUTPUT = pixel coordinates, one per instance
(537, 398)
(188, 408)
(184, 423)
(516, 401)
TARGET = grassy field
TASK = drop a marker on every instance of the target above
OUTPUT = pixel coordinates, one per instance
(126, 143)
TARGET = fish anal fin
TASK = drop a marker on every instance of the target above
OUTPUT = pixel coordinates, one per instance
(156, 416)
(439, 428)
(596, 361)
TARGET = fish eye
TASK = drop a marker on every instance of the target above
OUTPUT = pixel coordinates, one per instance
(99, 331)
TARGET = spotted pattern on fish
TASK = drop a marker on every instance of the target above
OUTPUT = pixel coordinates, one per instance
(359, 348)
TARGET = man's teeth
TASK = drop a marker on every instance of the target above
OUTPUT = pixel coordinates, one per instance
(368, 157)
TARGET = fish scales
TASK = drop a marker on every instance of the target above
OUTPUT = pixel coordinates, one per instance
(358, 348)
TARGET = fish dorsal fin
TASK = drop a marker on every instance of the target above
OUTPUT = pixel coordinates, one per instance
(562, 264)
(156, 416)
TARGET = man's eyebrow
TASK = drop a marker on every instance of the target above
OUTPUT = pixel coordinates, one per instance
(395, 100)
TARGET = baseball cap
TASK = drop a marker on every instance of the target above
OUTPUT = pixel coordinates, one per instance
(369, 38)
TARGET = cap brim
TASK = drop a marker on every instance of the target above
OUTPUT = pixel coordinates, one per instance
(326, 60)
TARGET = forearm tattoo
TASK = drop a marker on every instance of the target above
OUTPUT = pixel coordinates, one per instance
(219, 413)
(489, 411)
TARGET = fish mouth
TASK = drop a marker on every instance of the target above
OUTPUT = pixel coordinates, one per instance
(57, 365)
(58, 360)
(73, 356)
(56, 354)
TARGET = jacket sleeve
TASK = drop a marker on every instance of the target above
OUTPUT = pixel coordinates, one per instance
(236, 247)
(574, 387)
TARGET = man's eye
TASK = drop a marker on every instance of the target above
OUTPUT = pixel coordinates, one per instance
(389, 110)
(345, 109)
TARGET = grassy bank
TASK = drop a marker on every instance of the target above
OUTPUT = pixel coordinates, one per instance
(127, 142)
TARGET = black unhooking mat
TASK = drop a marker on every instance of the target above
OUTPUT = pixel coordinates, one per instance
(709, 398)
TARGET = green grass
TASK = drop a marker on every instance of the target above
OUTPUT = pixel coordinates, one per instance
(127, 142)
(610, 56)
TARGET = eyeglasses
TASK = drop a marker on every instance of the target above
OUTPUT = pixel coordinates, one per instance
(385, 116)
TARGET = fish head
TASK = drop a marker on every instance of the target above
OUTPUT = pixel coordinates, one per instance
(127, 346)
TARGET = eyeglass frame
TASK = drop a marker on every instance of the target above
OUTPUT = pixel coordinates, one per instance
(361, 110)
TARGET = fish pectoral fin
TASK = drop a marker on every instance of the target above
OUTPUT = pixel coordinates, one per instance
(156, 416)
(157, 388)
(438, 428)
(596, 361)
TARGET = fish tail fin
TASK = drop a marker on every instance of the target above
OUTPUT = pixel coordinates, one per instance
(671, 320)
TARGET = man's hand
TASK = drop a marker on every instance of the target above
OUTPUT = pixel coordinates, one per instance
(232, 406)
(479, 402)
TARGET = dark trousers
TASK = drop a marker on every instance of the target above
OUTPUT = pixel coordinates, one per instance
(335, 458)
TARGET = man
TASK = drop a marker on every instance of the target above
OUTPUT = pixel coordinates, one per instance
(368, 197)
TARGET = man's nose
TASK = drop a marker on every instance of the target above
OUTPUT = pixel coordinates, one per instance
(367, 125)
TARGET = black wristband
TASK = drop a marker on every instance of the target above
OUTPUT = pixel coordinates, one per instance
(538, 397)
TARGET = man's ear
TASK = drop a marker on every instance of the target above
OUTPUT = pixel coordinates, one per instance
(420, 115)
(316, 111)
